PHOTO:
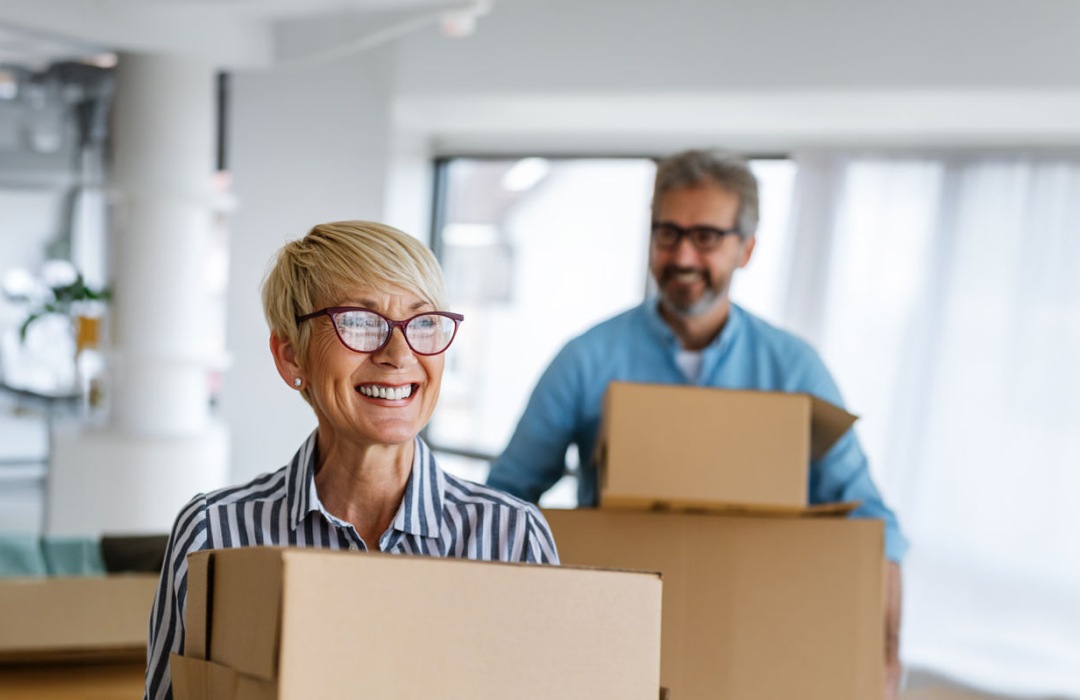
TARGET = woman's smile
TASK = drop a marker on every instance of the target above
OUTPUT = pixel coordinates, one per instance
(387, 392)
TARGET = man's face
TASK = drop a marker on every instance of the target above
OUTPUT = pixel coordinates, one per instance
(694, 282)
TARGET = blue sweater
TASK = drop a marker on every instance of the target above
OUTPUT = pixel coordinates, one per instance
(638, 346)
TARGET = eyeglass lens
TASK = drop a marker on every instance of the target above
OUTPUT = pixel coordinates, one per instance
(668, 235)
(365, 331)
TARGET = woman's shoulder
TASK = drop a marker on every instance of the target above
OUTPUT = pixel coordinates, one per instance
(266, 486)
(464, 492)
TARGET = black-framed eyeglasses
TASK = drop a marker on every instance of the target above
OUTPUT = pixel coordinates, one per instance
(364, 330)
(667, 235)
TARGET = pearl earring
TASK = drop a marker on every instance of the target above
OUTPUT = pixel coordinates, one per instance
(297, 382)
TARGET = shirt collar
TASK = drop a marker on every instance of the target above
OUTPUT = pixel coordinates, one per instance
(656, 323)
(420, 512)
(300, 482)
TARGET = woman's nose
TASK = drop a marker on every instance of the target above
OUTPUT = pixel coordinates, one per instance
(396, 351)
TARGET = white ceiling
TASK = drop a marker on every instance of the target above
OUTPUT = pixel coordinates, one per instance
(33, 49)
(230, 33)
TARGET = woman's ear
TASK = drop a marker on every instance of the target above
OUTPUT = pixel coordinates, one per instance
(285, 358)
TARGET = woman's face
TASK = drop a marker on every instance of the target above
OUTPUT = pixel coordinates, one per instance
(344, 385)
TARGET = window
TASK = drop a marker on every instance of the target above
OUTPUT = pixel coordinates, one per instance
(535, 252)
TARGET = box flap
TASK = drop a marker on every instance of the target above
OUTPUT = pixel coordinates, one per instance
(828, 424)
(817, 510)
(245, 610)
(198, 679)
(197, 612)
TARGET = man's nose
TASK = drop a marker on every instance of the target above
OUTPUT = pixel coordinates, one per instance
(684, 253)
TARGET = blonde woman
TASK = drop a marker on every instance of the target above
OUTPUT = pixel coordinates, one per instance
(358, 327)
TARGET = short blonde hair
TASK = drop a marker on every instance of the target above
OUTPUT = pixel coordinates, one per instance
(336, 257)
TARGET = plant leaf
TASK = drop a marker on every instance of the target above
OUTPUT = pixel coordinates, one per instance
(26, 325)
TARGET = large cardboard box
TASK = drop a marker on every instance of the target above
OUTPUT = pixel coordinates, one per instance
(699, 447)
(74, 637)
(287, 624)
(75, 618)
(755, 608)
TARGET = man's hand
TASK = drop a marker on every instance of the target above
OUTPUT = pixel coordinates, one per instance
(892, 631)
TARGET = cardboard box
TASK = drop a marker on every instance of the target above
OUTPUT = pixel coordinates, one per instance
(265, 622)
(665, 446)
(100, 680)
(755, 608)
(74, 637)
(75, 618)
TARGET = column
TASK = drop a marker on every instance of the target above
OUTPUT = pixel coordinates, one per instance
(160, 445)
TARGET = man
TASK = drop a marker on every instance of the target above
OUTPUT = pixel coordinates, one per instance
(705, 214)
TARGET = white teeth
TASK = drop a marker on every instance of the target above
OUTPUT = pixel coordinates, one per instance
(386, 392)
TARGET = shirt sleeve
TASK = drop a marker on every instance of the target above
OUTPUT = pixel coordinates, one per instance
(540, 547)
(843, 473)
(535, 458)
(166, 629)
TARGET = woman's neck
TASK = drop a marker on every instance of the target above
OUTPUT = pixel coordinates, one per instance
(363, 485)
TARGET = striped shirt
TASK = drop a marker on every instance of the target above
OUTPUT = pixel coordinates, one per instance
(440, 515)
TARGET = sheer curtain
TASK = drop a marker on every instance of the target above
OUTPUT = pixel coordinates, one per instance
(944, 293)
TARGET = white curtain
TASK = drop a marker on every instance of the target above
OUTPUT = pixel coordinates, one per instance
(944, 293)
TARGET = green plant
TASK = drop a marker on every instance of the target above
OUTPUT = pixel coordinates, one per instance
(63, 298)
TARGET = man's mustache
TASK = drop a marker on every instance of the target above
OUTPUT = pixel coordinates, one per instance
(671, 271)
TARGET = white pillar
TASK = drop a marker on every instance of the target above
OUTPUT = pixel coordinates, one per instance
(161, 445)
(163, 146)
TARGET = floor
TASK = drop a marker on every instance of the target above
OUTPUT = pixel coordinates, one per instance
(927, 686)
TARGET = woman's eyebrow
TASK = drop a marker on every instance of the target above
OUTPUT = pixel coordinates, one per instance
(373, 305)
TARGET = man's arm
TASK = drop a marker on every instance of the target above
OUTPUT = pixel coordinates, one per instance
(893, 595)
(843, 474)
(535, 458)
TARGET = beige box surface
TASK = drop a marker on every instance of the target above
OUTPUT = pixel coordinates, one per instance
(266, 622)
(99, 617)
(755, 608)
(698, 447)
(98, 680)
(74, 637)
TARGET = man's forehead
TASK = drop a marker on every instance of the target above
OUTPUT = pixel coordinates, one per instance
(705, 199)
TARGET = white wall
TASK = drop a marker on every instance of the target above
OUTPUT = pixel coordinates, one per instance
(306, 146)
(352, 139)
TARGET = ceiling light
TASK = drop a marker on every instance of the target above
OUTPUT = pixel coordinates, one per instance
(525, 174)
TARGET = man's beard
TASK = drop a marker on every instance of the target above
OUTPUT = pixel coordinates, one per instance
(682, 305)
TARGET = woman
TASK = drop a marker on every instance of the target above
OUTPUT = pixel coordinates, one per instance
(357, 328)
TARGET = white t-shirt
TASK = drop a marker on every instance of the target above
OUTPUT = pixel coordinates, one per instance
(689, 362)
